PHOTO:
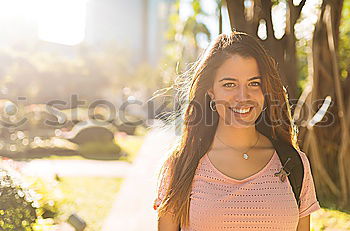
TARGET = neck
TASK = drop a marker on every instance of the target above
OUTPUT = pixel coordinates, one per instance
(238, 137)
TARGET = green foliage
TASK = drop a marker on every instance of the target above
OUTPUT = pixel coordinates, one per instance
(330, 219)
(183, 45)
(28, 204)
(51, 197)
(88, 197)
(18, 203)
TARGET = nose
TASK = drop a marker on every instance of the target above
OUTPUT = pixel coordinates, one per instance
(241, 94)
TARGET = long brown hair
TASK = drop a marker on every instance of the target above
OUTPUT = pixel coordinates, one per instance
(199, 123)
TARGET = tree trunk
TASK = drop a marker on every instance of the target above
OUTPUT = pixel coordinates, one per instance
(219, 3)
(284, 49)
(332, 137)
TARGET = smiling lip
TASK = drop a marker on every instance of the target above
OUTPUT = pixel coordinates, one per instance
(242, 114)
(240, 108)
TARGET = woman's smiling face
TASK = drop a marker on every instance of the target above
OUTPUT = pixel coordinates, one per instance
(237, 91)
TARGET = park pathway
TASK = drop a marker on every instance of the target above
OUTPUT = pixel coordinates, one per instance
(88, 168)
(133, 207)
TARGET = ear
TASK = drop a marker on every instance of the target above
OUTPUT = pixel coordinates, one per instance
(210, 93)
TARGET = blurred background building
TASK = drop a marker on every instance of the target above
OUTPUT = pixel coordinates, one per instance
(136, 24)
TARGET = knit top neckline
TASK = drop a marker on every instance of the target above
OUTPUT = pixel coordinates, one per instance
(206, 157)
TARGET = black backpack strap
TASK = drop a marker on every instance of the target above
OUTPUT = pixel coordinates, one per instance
(292, 166)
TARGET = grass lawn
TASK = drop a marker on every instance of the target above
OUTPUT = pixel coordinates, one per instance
(91, 198)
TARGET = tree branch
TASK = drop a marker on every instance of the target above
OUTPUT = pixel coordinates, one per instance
(300, 8)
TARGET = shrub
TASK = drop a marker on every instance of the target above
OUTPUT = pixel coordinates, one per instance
(18, 204)
(100, 150)
(22, 208)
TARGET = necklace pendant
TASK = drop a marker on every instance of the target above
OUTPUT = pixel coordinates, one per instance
(245, 156)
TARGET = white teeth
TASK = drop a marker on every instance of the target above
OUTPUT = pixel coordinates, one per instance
(241, 110)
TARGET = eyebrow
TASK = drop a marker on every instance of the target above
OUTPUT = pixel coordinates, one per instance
(234, 79)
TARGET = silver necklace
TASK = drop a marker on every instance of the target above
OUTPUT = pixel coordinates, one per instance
(245, 154)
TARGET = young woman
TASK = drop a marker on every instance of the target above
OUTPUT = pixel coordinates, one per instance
(221, 173)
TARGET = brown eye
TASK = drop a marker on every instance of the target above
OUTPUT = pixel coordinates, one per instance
(255, 83)
(228, 84)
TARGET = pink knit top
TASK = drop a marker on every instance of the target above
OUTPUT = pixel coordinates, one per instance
(259, 202)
